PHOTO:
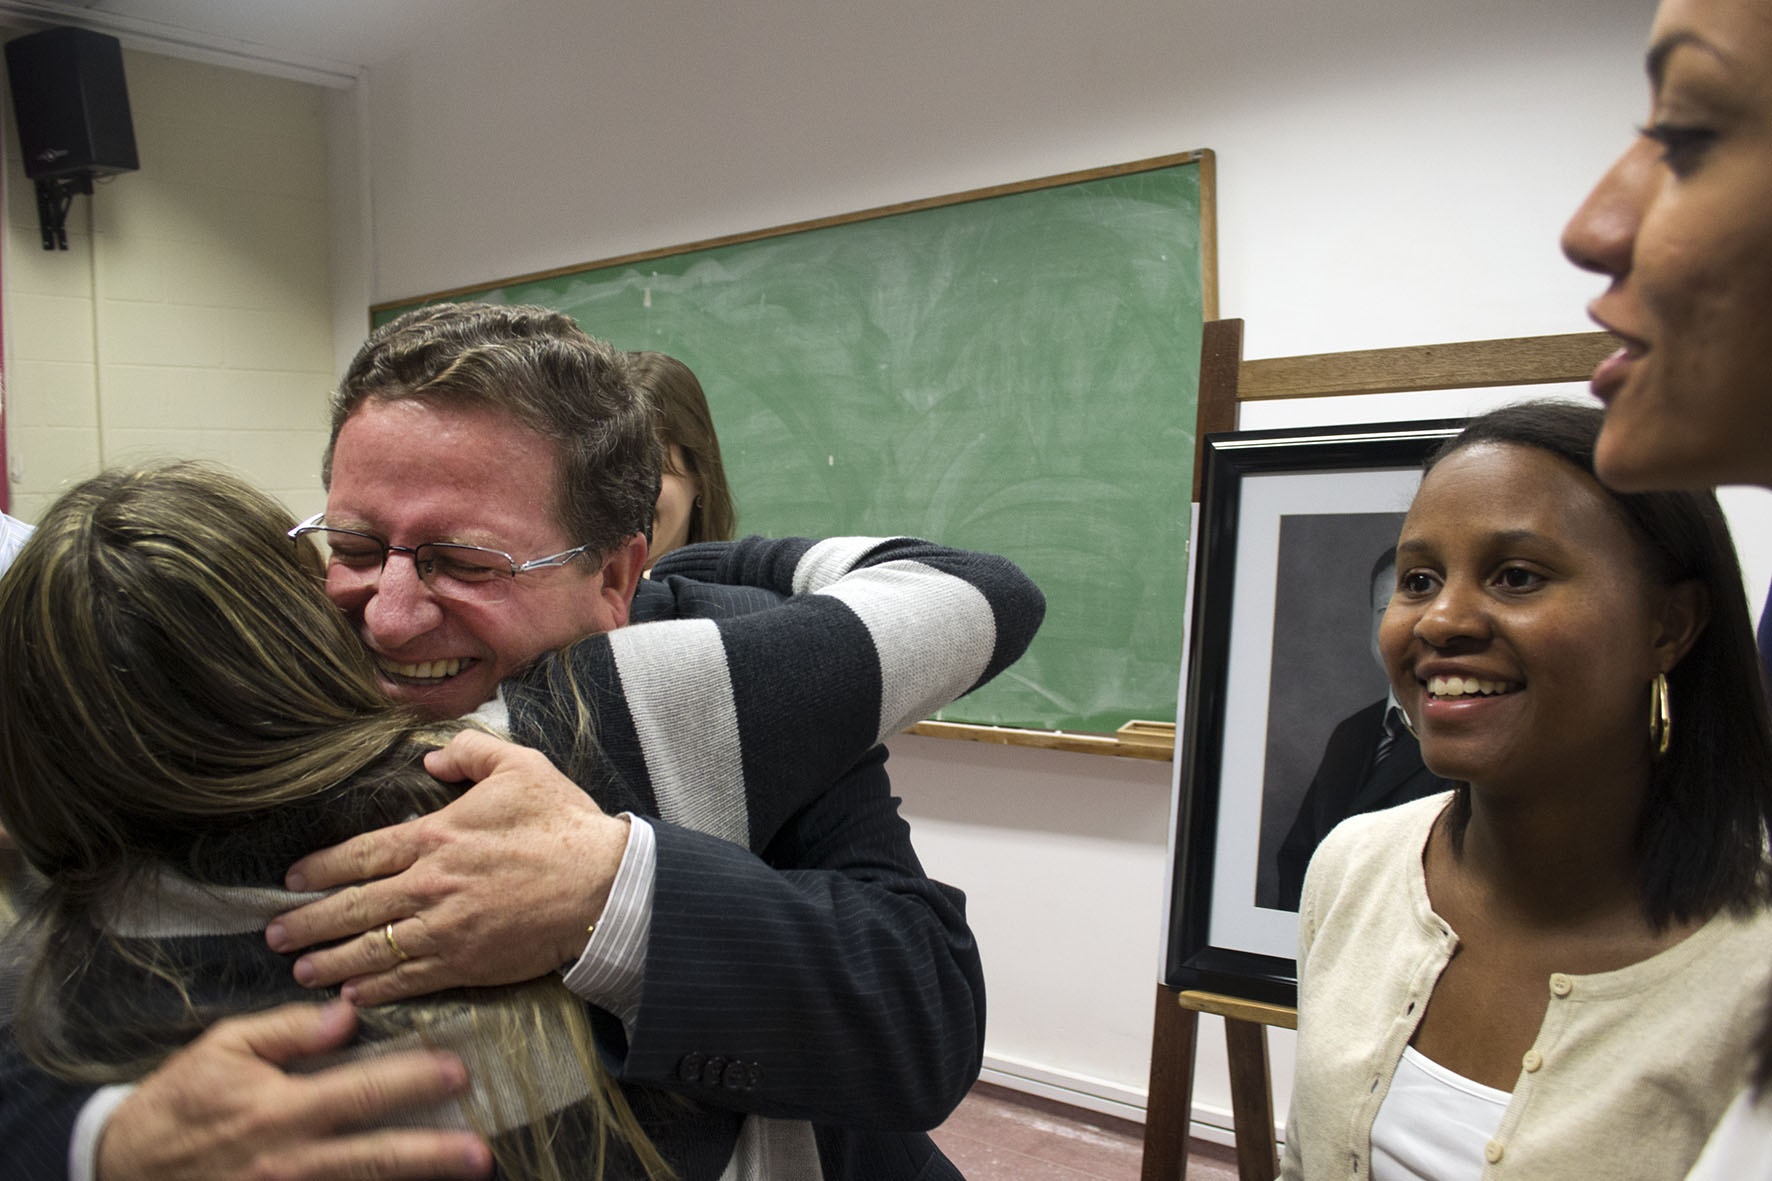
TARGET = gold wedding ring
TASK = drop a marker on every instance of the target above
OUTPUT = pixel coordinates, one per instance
(387, 933)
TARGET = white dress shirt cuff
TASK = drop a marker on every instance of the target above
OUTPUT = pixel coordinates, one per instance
(612, 969)
(83, 1148)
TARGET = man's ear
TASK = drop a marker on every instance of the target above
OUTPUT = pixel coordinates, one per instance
(1684, 613)
(621, 577)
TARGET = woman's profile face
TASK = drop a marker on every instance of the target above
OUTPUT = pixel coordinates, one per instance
(676, 501)
(1522, 637)
(1682, 227)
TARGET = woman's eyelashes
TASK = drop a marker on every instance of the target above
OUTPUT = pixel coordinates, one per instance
(1518, 578)
(1682, 145)
(1512, 577)
(1416, 583)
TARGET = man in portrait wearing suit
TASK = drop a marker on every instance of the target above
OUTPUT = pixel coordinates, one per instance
(1370, 762)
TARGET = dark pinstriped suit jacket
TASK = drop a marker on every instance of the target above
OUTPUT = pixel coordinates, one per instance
(1347, 784)
(832, 981)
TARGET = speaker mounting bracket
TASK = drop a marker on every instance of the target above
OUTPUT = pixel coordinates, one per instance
(55, 194)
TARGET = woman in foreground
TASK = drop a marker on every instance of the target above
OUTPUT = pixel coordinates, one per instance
(1529, 973)
(184, 713)
(1682, 228)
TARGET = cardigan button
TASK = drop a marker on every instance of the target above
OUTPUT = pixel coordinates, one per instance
(1492, 1152)
(1532, 1061)
(1561, 985)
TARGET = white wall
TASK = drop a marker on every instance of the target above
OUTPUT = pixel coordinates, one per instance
(191, 314)
(1389, 172)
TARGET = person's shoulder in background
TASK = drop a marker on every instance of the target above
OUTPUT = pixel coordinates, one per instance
(12, 535)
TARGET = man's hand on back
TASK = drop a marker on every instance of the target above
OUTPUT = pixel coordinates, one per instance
(222, 1107)
(496, 888)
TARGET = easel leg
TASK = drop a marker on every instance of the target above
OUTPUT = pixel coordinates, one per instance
(1169, 1110)
(1252, 1100)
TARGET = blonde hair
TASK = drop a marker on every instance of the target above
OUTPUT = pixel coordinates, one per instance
(179, 694)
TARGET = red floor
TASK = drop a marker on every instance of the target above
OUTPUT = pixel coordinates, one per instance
(1001, 1135)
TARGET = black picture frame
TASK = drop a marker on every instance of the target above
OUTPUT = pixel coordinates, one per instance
(1219, 939)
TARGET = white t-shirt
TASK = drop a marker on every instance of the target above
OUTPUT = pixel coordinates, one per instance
(1434, 1124)
(1741, 1147)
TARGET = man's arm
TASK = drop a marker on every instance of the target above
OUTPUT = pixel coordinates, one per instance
(861, 950)
(224, 1108)
(829, 979)
(832, 981)
(727, 725)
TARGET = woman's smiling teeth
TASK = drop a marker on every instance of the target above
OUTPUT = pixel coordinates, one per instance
(430, 670)
(1467, 687)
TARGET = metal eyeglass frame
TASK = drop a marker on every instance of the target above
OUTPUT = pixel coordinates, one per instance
(313, 525)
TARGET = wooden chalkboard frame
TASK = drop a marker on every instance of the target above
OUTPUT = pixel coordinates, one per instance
(1202, 157)
(1135, 739)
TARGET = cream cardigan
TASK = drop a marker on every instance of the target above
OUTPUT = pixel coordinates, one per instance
(1628, 1075)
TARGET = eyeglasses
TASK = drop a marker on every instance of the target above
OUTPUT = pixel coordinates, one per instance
(472, 573)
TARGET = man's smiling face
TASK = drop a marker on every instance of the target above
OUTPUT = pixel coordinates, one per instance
(412, 472)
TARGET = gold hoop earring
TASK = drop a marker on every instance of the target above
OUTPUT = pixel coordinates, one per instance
(1661, 715)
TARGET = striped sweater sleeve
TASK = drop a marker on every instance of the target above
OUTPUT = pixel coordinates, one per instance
(729, 725)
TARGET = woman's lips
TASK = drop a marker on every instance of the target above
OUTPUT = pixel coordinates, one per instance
(1611, 372)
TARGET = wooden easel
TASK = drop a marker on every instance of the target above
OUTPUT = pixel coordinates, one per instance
(1169, 1110)
(1226, 380)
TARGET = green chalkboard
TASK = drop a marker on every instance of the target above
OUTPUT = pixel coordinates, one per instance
(1013, 370)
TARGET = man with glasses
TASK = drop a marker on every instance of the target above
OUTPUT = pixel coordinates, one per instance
(490, 480)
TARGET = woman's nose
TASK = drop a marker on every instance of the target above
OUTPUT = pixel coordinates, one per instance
(1602, 235)
(1457, 613)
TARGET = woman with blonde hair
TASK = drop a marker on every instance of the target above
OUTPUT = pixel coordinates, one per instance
(184, 713)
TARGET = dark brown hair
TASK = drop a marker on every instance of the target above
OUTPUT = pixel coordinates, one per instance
(1701, 841)
(539, 367)
(683, 418)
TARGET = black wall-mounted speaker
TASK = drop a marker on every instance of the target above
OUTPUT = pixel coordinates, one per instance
(71, 103)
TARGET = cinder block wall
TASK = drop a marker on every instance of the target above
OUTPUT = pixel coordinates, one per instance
(191, 315)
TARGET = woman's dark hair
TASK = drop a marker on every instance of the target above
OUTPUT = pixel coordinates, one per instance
(683, 419)
(1701, 841)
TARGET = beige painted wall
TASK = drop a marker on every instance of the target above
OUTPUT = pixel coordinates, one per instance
(191, 315)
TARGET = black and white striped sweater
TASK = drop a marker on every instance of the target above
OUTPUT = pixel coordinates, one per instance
(728, 725)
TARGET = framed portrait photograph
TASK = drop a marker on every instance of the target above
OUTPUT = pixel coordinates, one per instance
(1286, 722)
